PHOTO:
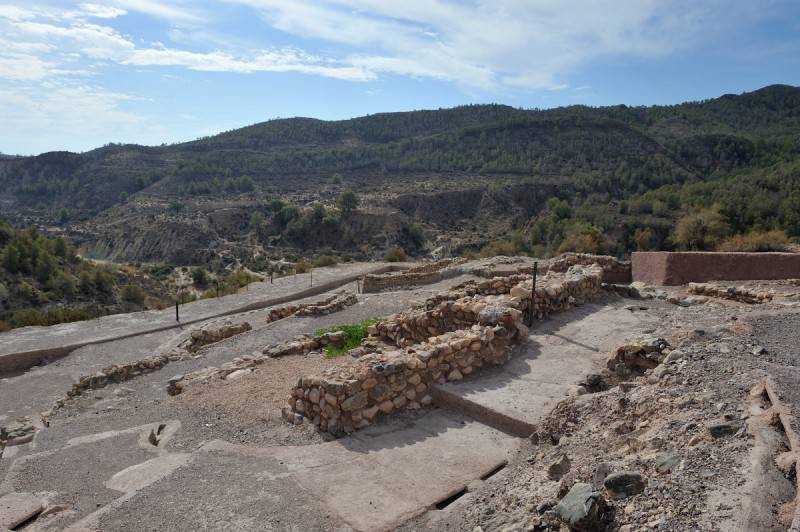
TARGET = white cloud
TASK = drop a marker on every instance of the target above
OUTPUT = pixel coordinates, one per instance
(160, 8)
(78, 116)
(488, 45)
(23, 67)
(96, 41)
(283, 60)
(15, 12)
(101, 11)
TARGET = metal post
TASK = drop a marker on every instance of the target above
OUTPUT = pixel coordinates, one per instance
(358, 285)
(533, 294)
(311, 272)
(177, 316)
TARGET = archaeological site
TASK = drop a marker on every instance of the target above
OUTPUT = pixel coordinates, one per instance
(577, 393)
(399, 266)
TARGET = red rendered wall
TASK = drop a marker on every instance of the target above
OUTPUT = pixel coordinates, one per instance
(668, 268)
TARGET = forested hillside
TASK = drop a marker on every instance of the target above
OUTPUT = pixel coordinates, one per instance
(624, 174)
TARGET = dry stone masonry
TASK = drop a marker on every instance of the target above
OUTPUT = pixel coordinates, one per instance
(451, 336)
(419, 275)
(334, 303)
(734, 293)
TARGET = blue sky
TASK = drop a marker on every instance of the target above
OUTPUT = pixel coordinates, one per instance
(76, 75)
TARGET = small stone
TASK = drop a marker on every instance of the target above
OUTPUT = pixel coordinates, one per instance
(356, 402)
(624, 484)
(386, 406)
(238, 374)
(455, 375)
(600, 473)
(313, 395)
(559, 467)
(726, 428)
(760, 350)
(380, 392)
(667, 461)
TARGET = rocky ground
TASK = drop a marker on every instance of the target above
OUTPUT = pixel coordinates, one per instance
(685, 437)
(680, 443)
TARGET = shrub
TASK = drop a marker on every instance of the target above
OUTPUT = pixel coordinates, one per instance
(756, 241)
(396, 254)
(132, 294)
(85, 282)
(497, 248)
(302, 266)
(325, 260)
(354, 334)
(585, 239)
(28, 317)
(700, 231)
(102, 280)
(200, 277)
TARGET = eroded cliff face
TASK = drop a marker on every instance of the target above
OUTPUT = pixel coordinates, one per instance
(196, 233)
(181, 242)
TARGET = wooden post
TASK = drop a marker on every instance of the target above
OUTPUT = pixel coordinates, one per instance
(177, 316)
(311, 272)
(533, 294)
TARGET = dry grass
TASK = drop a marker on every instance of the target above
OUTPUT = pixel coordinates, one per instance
(757, 242)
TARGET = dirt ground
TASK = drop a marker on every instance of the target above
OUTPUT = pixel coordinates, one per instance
(662, 426)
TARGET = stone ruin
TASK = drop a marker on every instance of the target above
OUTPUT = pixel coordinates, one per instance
(450, 336)
(418, 275)
(734, 293)
(334, 303)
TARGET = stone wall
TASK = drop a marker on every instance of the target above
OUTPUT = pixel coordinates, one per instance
(677, 268)
(469, 327)
(614, 270)
(343, 399)
(734, 293)
(333, 303)
(427, 273)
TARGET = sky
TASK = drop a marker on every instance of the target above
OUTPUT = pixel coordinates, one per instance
(77, 75)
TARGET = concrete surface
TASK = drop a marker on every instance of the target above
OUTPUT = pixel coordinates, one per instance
(558, 353)
(16, 508)
(27, 346)
(372, 480)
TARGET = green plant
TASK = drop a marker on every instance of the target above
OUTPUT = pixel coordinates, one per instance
(396, 254)
(354, 334)
(347, 202)
(701, 230)
(302, 266)
(325, 260)
(757, 241)
(200, 277)
(132, 294)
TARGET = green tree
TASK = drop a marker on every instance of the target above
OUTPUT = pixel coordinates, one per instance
(123, 197)
(200, 277)
(132, 294)
(348, 202)
(11, 259)
(700, 231)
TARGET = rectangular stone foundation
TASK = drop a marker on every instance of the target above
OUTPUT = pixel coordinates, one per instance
(677, 268)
